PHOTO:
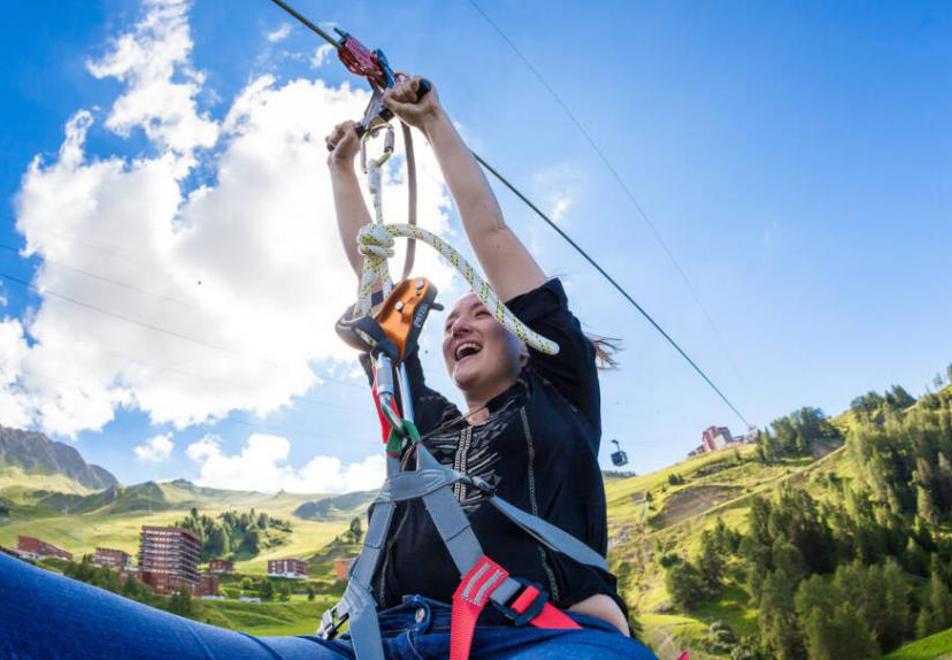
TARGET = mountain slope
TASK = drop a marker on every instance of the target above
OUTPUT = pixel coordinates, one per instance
(658, 520)
(34, 453)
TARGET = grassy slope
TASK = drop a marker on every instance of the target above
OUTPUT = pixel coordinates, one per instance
(937, 646)
(639, 535)
(17, 486)
(116, 527)
(297, 617)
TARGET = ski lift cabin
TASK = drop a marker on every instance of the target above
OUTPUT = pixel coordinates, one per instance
(619, 457)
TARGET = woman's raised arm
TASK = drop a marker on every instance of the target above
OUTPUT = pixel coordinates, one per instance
(508, 265)
(352, 213)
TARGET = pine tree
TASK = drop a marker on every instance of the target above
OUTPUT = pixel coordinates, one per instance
(685, 585)
(925, 507)
(267, 590)
(894, 627)
(710, 563)
(838, 635)
(779, 632)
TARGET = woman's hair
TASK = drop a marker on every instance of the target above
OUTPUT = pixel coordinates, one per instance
(606, 349)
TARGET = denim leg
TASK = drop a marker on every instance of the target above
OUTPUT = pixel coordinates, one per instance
(427, 635)
(47, 616)
(532, 643)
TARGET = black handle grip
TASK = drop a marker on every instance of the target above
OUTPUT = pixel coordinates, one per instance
(386, 114)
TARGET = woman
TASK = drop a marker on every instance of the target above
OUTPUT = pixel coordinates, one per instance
(534, 424)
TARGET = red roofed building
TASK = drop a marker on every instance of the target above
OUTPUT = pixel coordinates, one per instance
(207, 585)
(168, 558)
(289, 568)
(221, 566)
(33, 548)
(117, 560)
(342, 568)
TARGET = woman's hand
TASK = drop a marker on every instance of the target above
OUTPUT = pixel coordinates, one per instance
(407, 104)
(343, 144)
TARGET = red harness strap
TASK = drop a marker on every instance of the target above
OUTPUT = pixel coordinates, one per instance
(472, 595)
(384, 423)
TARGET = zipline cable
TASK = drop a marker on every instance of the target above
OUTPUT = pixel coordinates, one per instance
(307, 23)
(156, 328)
(618, 179)
(614, 283)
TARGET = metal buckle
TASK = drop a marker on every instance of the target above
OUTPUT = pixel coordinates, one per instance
(532, 611)
(329, 623)
(479, 484)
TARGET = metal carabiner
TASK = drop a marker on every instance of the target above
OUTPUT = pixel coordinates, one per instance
(388, 144)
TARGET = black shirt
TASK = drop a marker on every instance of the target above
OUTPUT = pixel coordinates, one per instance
(539, 448)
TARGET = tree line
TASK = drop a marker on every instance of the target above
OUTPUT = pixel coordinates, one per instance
(233, 533)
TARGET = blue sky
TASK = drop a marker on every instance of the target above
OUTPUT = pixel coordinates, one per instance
(794, 157)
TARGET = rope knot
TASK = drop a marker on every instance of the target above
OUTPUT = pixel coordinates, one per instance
(374, 240)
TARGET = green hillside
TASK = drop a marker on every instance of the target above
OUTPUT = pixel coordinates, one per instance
(933, 647)
(876, 485)
(80, 521)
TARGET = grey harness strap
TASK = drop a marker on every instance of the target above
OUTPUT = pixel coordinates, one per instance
(432, 482)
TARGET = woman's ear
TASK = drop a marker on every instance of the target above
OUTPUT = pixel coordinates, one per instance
(523, 354)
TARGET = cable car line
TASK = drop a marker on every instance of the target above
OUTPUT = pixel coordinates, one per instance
(656, 233)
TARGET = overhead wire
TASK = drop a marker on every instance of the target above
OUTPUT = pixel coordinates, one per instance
(655, 232)
(270, 428)
(80, 271)
(155, 328)
(310, 25)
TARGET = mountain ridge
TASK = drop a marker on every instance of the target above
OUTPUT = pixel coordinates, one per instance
(34, 453)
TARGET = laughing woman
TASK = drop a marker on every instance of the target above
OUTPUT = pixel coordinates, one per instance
(532, 429)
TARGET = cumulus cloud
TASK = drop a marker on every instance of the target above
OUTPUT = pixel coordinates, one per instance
(155, 449)
(181, 300)
(320, 55)
(161, 85)
(263, 465)
(279, 34)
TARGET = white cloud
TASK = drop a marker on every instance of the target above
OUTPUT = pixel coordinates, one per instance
(153, 62)
(228, 292)
(320, 55)
(263, 465)
(279, 34)
(14, 403)
(155, 449)
(560, 207)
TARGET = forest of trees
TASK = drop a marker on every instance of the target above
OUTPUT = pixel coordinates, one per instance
(797, 434)
(233, 533)
(851, 575)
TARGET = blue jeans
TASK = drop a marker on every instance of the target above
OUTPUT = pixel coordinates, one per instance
(44, 615)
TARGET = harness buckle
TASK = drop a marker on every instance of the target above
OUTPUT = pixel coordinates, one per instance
(525, 606)
(479, 484)
(330, 624)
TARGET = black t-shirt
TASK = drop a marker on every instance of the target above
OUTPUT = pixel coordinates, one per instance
(539, 448)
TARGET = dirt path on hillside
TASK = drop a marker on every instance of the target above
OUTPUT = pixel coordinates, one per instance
(694, 500)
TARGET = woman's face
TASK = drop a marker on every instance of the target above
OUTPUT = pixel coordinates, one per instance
(481, 357)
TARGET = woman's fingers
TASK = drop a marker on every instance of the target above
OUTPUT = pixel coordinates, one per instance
(342, 132)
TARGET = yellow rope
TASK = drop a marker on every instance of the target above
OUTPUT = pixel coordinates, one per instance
(375, 242)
